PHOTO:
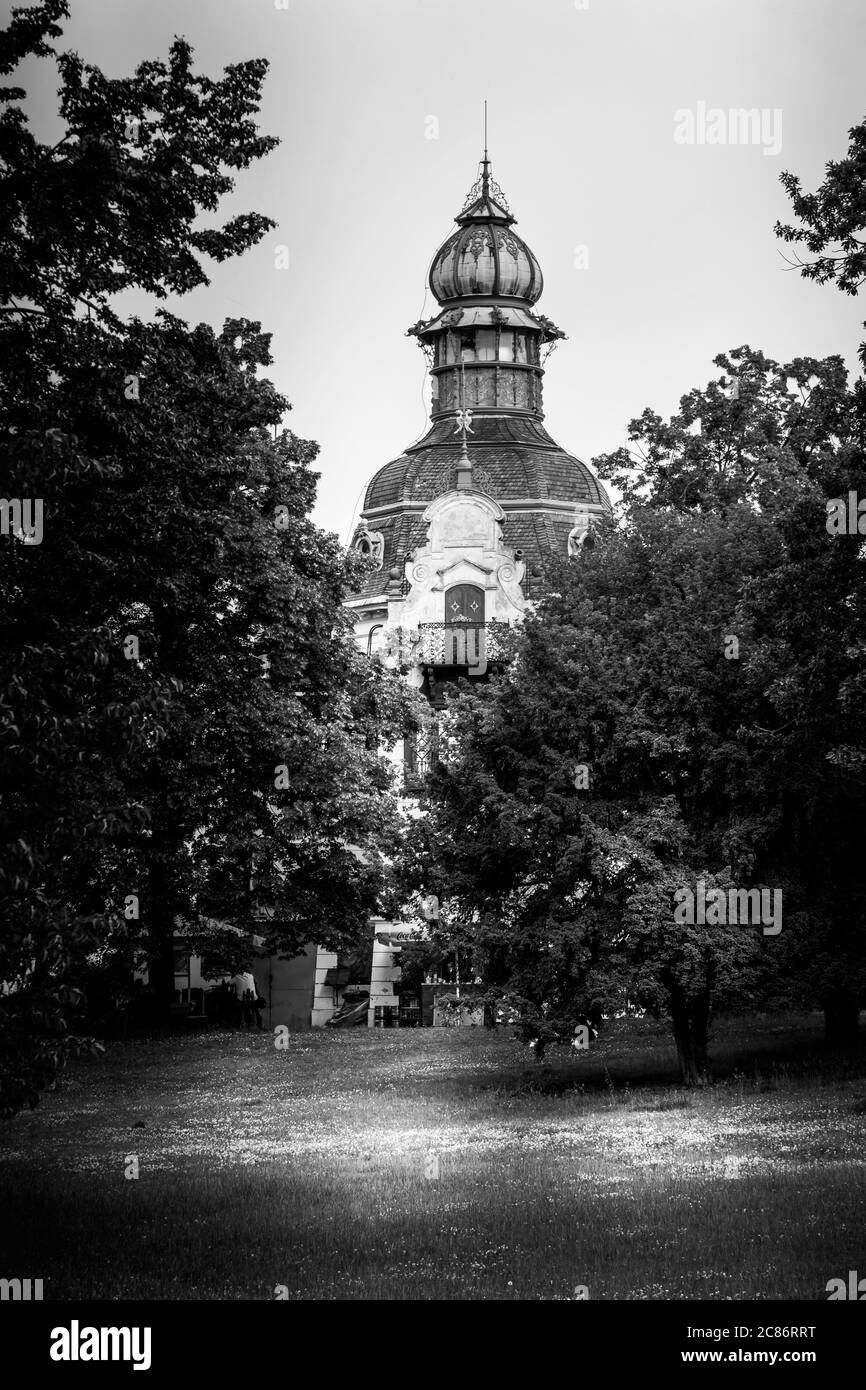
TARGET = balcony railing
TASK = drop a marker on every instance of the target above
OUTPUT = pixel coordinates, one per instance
(463, 644)
(420, 755)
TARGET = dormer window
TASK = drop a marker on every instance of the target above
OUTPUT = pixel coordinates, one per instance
(371, 544)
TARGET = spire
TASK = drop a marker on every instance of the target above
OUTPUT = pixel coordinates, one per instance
(485, 202)
(485, 163)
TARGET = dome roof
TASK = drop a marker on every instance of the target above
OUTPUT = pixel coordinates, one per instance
(512, 457)
(484, 256)
(514, 461)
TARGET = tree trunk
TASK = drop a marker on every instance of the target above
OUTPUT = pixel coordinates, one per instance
(690, 1020)
(161, 971)
(842, 1021)
(160, 922)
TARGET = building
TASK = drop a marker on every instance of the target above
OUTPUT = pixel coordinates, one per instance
(303, 992)
(457, 529)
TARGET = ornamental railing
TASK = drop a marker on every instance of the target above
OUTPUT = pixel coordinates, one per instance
(473, 645)
(420, 756)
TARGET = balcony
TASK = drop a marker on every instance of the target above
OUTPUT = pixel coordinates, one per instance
(464, 644)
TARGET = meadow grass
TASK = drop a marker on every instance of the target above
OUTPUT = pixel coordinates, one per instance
(313, 1169)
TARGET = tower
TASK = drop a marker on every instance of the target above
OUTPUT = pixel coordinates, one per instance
(458, 527)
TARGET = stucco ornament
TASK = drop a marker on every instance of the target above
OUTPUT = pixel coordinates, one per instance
(464, 546)
(579, 533)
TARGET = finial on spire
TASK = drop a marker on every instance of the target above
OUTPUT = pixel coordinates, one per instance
(485, 198)
(485, 163)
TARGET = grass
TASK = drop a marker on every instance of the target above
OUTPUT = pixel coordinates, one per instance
(305, 1169)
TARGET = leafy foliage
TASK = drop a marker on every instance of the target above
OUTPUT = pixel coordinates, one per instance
(188, 734)
(833, 218)
(706, 758)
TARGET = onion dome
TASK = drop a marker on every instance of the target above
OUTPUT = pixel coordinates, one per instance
(484, 256)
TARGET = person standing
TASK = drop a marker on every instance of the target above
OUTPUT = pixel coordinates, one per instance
(244, 984)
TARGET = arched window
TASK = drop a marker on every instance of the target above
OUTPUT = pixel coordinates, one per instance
(464, 603)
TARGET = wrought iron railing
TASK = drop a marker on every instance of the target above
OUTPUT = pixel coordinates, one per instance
(420, 755)
(463, 644)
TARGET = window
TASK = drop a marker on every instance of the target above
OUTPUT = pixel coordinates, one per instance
(467, 347)
(464, 603)
(506, 346)
(520, 347)
(485, 340)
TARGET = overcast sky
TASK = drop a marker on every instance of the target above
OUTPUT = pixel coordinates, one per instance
(680, 261)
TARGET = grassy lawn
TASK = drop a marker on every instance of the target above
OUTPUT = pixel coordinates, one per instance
(308, 1168)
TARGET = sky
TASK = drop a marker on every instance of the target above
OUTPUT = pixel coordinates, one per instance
(657, 253)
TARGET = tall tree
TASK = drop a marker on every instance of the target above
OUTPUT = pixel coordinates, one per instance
(832, 229)
(683, 670)
(182, 713)
(787, 439)
(578, 792)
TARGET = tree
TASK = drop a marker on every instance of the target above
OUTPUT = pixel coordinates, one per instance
(265, 769)
(114, 204)
(833, 230)
(833, 218)
(833, 222)
(575, 797)
(684, 666)
(746, 436)
(187, 731)
(788, 439)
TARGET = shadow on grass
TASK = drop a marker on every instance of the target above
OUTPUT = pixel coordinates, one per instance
(503, 1229)
(640, 1055)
